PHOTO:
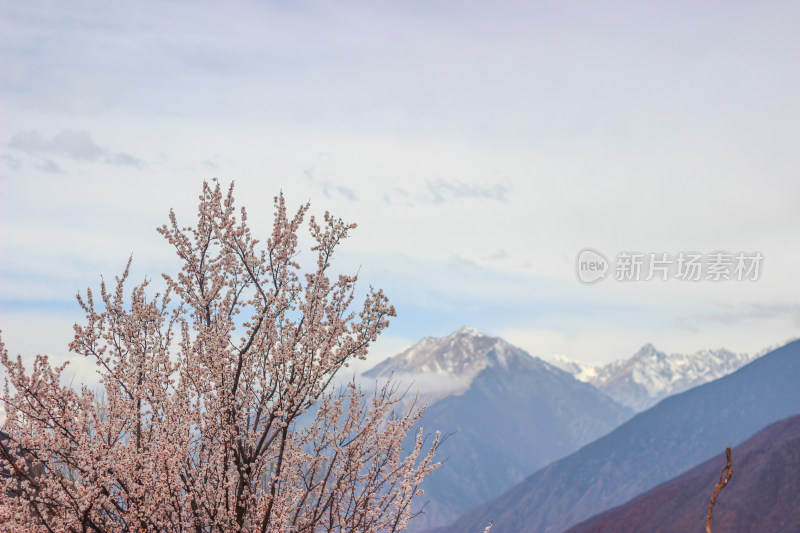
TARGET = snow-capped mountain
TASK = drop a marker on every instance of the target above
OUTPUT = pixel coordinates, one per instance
(439, 367)
(506, 414)
(654, 446)
(649, 376)
(459, 356)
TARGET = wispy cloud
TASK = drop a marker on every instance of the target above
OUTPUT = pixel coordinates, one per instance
(124, 160)
(48, 165)
(12, 162)
(745, 313)
(398, 195)
(70, 144)
(456, 261)
(440, 191)
(328, 187)
(497, 256)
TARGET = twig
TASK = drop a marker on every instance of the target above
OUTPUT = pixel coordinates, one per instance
(725, 475)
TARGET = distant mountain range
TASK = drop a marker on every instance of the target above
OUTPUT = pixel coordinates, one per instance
(762, 495)
(649, 376)
(654, 446)
(507, 413)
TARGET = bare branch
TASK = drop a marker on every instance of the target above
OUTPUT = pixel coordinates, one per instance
(725, 476)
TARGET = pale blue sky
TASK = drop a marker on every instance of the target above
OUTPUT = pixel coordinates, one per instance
(479, 147)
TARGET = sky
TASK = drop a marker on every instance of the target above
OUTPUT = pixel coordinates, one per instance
(480, 148)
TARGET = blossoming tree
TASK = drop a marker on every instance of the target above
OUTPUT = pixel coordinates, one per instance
(217, 411)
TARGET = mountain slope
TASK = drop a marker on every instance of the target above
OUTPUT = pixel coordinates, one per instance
(649, 376)
(763, 494)
(515, 414)
(654, 446)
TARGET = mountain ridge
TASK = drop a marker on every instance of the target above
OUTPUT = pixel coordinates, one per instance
(654, 446)
(763, 494)
(650, 375)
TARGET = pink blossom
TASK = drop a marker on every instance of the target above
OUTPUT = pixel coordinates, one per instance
(197, 428)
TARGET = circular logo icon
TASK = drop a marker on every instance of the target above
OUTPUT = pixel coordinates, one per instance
(591, 266)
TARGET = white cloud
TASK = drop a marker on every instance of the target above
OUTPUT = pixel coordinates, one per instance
(747, 313)
(49, 166)
(12, 162)
(327, 187)
(505, 137)
(74, 145)
(439, 191)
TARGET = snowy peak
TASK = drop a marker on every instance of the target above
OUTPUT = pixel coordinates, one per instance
(648, 351)
(662, 374)
(467, 331)
(581, 371)
(459, 356)
(650, 375)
